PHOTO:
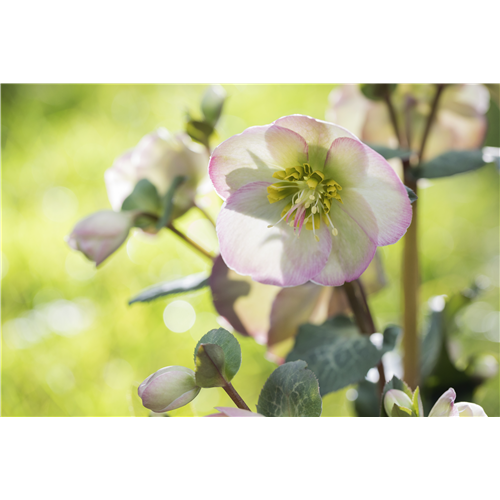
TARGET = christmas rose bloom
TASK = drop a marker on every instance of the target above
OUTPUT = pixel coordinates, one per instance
(446, 407)
(305, 200)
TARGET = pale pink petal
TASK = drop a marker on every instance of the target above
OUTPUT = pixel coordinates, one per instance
(444, 406)
(318, 134)
(352, 251)
(274, 256)
(254, 155)
(292, 307)
(470, 410)
(372, 193)
(237, 412)
(243, 302)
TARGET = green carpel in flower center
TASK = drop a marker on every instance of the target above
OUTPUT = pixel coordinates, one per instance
(310, 197)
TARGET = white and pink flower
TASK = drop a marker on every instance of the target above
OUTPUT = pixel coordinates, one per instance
(305, 200)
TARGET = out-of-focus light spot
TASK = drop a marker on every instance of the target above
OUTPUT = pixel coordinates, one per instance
(351, 394)
(60, 379)
(491, 155)
(78, 267)
(424, 183)
(474, 316)
(59, 204)
(25, 331)
(118, 374)
(437, 303)
(483, 282)
(486, 366)
(5, 265)
(66, 318)
(373, 375)
(179, 316)
(377, 339)
(205, 402)
(225, 323)
(491, 325)
(393, 365)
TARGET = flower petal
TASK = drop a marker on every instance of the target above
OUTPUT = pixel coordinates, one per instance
(352, 251)
(254, 155)
(243, 302)
(470, 410)
(270, 255)
(233, 412)
(444, 406)
(372, 193)
(318, 134)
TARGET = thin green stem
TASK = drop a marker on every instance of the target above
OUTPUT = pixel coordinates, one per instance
(439, 89)
(237, 399)
(190, 242)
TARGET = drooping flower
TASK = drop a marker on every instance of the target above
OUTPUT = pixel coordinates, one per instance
(460, 122)
(305, 200)
(233, 412)
(159, 157)
(168, 389)
(100, 234)
(445, 406)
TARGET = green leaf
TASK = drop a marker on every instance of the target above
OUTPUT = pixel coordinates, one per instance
(413, 197)
(230, 348)
(377, 91)
(337, 353)
(290, 391)
(199, 131)
(450, 163)
(182, 285)
(367, 404)
(168, 201)
(144, 197)
(394, 383)
(400, 411)
(210, 366)
(417, 406)
(432, 344)
(389, 153)
(212, 103)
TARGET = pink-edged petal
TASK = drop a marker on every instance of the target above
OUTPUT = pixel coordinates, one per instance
(318, 134)
(270, 255)
(444, 406)
(237, 412)
(254, 155)
(372, 193)
(243, 302)
(352, 251)
(292, 307)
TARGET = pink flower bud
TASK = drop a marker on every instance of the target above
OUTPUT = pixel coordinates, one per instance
(395, 396)
(446, 407)
(168, 389)
(100, 234)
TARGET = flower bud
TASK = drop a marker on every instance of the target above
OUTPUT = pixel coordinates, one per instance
(100, 234)
(160, 158)
(168, 389)
(446, 407)
(395, 396)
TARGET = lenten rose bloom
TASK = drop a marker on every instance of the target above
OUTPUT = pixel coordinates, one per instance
(446, 407)
(305, 200)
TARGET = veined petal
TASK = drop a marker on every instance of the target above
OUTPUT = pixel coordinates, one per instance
(318, 134)
(270, 255)
(254, 155)
(352, 251)
(372, 193)
(444, 406)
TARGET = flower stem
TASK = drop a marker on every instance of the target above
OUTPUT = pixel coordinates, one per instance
(357, 300)
(439, 89)
(191, 242)
(237, 399)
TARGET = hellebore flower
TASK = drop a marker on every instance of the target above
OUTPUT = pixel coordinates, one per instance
(159, 157)
(305, 200)
(460, 121)
(168, 389)
(100, 234)
(233, 412)
(446, 407)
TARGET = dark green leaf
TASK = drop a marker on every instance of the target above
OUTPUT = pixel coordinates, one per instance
(432, 344)
(377, 91)
(389, 153)
(199, 131)
(290, 391)
(144, 197)
(337, 353)
(367, 404)
(210, 366)
(450, 163)
(182, 285)
(212, 103)
(168, 201)
(413, 197)
(230, 347)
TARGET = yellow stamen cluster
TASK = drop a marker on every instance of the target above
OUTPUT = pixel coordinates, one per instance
(308, 191)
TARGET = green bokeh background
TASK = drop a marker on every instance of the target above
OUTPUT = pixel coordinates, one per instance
(71, 346)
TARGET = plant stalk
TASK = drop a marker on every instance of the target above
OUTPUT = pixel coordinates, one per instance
(237, 400)
(190, 241)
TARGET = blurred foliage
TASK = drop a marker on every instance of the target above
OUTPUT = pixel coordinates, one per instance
(71, 344)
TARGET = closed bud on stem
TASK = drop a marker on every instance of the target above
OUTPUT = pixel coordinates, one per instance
(168, 389)
(100, 234)
(395, 396)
